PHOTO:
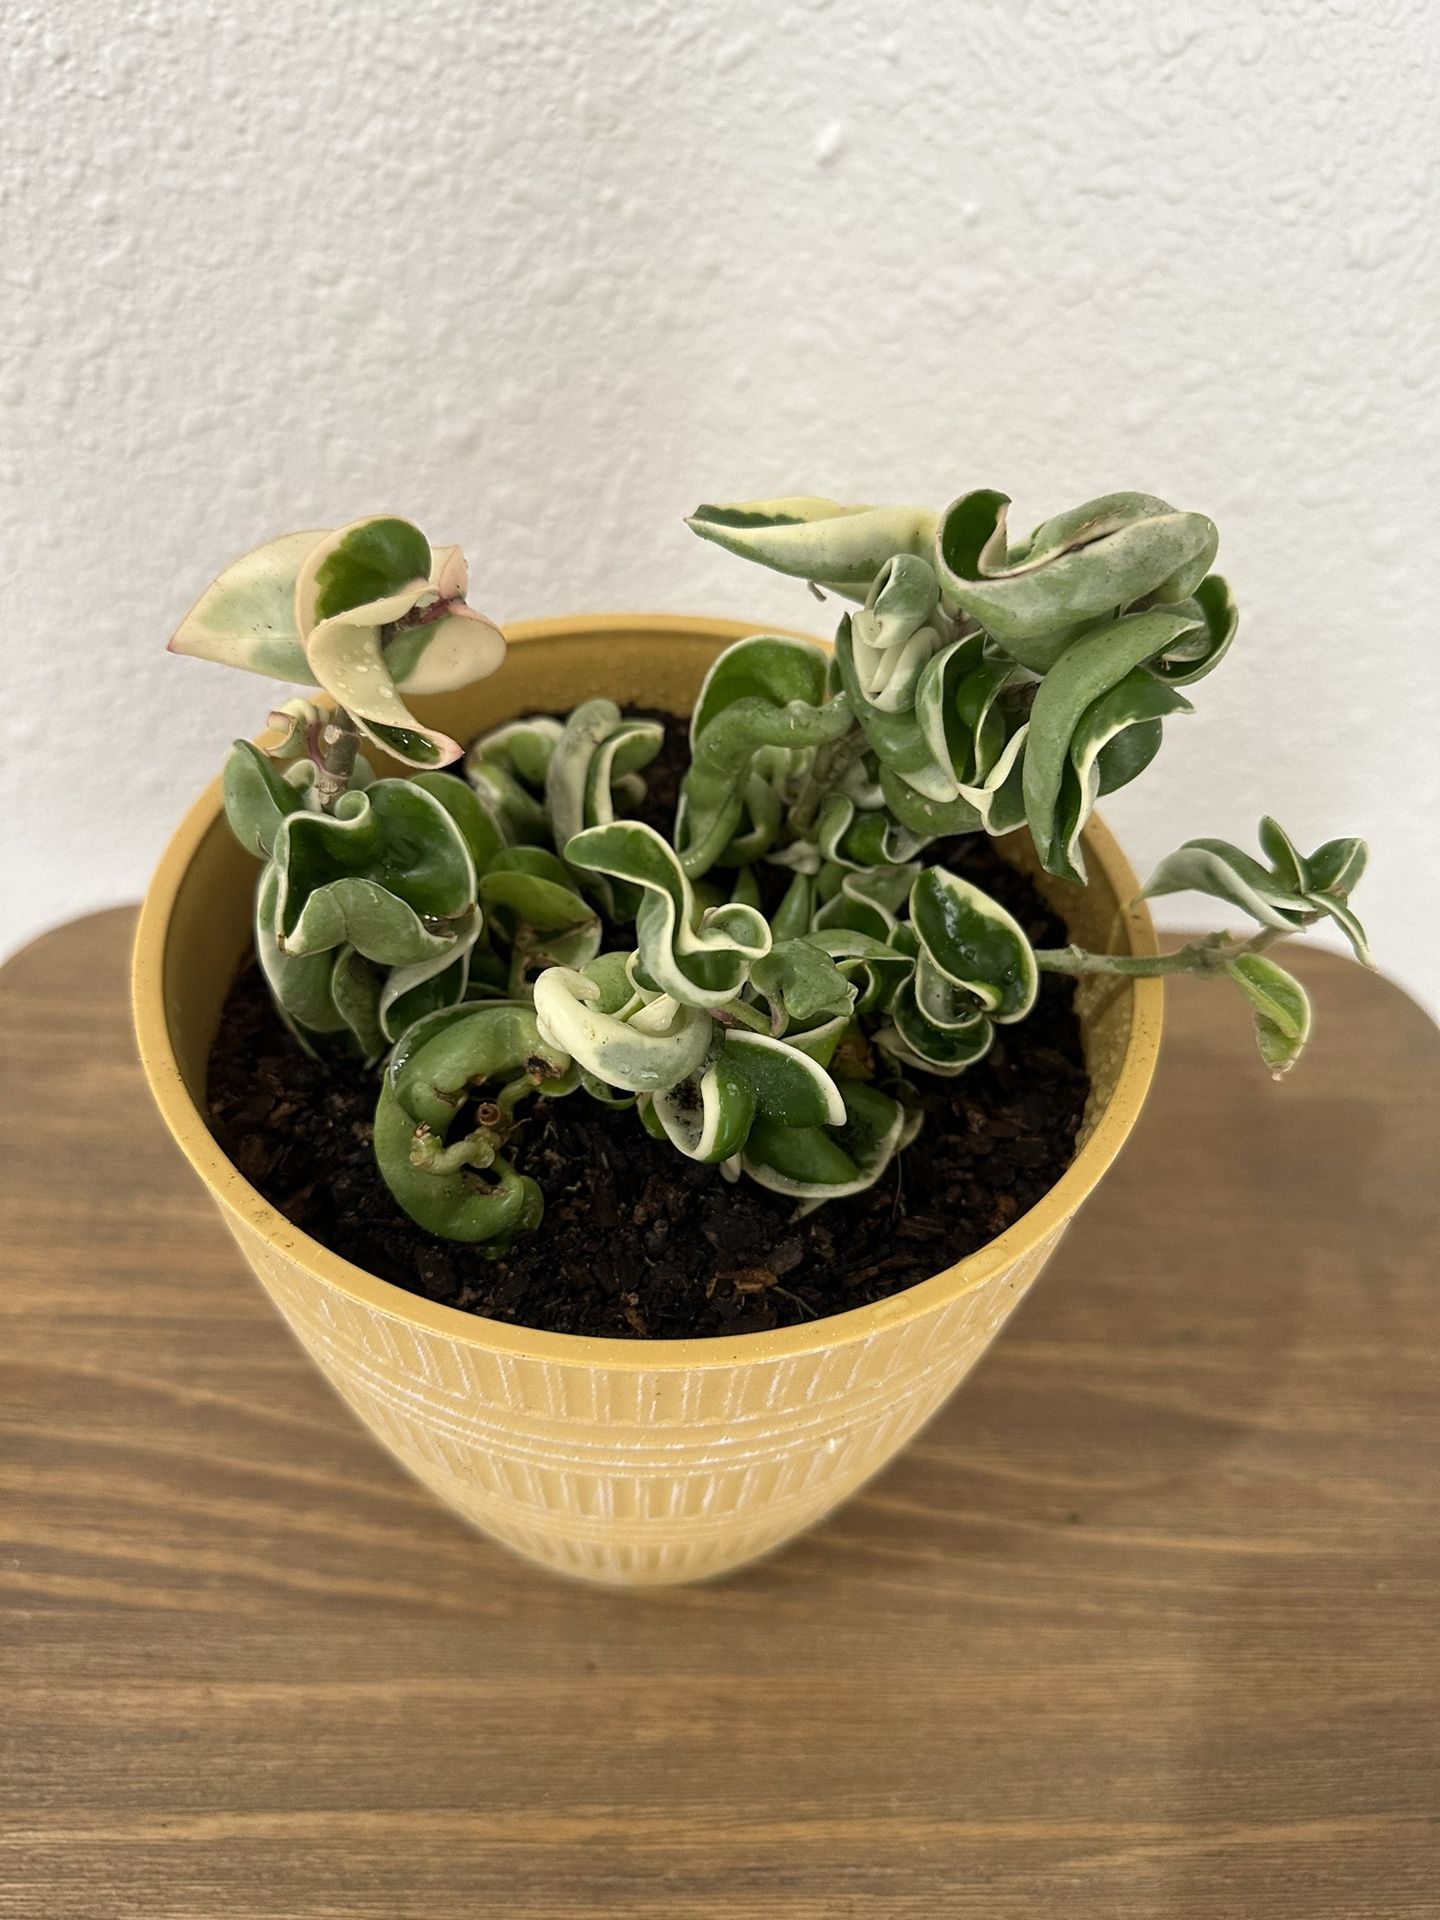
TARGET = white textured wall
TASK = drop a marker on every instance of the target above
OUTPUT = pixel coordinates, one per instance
(542, 273)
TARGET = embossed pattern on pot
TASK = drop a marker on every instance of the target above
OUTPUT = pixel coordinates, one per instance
(629, 1476)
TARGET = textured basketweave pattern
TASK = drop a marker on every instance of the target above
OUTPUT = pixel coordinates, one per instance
(627, 1475)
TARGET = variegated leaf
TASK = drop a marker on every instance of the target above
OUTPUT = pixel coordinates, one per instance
(788, 1084)
(944, 1048)
(598, 747)
(1290, 894)
(376, 560)
(701, 960)
(868, 902)
(347, 660)
(1344, 917)
(877, 968)
(1336, 867)
(820, 1043)
(972, 741)
(839, 547)
(860, 782)
(773, 667)
(246, 617)
(299, 985)
(1329, 875)
(1280, 1006)
(1114, 740)
(389, 872)
(974, 944)
(1093, 561)
(257, 798)
(369, 616)
(641, 1047)
(761, 812)
(1225, 872)
(813, 1164)
(409, 993)
(437, 1062)
(293, 721)
(439, 652)
(1213, 605)
(370, 918)
(859, 840)
(447, 644)
(896, 739)
(477, 825)
(1090, 668)
(760, 708)
(896, 633)
(949, 736)
(1286, 862)
(528, 896)
(930, 819)
(508, 767)
(707, 1116)
(357, 611)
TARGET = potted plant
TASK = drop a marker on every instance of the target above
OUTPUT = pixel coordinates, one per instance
(645, 1127)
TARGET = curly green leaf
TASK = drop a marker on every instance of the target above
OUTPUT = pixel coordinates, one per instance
(761, 708)
(974, 944)
(531, 903)
(410, 993)
(508, 767)
(1090, 668)
(257, 798)
(389, 872)
(1079, 566)
(789, 1085)
(813, 1164)
(1280, 1006)
(462, 1189)
(707, 1116)
(1290, 894)
(869, 902)
(700, 959)
(639, 1046)
(896, 633)
(800, 984)
(934, 1026)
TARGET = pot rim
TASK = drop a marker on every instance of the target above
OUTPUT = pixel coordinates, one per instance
(192, 1135)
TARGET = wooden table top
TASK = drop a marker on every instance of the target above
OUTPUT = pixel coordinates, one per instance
(1145, 1624)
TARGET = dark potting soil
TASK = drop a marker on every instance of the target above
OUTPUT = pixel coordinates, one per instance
(637, 1241)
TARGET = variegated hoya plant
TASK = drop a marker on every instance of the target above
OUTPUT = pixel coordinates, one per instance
(517, 934)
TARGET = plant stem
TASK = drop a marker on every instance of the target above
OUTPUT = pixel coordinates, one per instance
(1207, 955)
(339, 742)
(830, 767)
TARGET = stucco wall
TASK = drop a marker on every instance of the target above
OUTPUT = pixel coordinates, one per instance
(543, 275)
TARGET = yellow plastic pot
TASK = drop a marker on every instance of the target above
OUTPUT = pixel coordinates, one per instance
(625, 1461)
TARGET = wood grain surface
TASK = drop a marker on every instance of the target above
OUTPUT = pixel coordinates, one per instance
(1144, 1624)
